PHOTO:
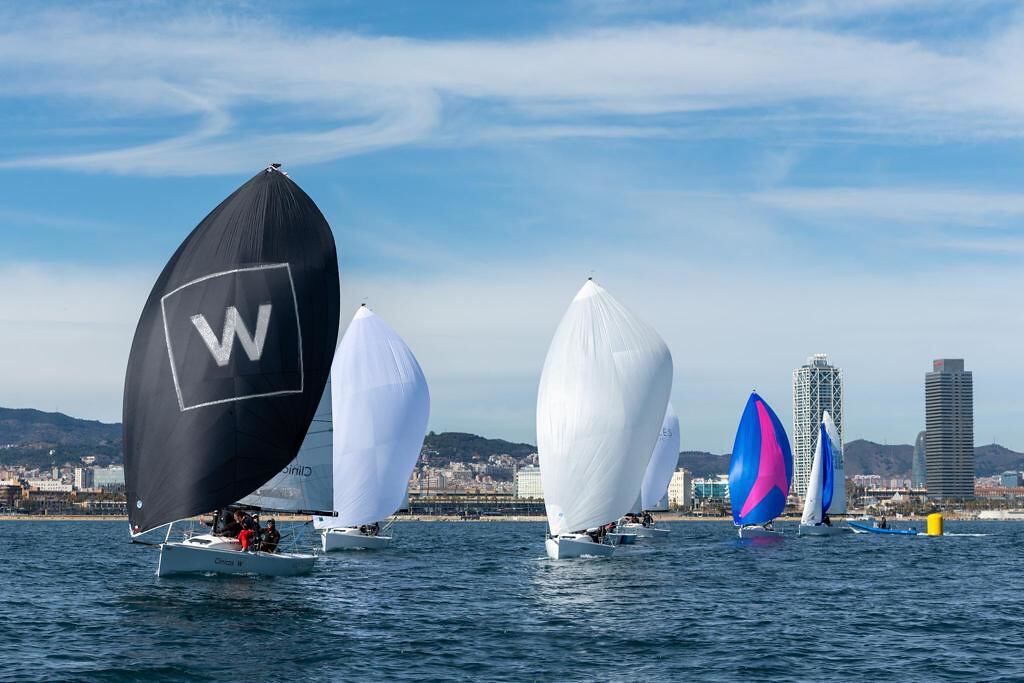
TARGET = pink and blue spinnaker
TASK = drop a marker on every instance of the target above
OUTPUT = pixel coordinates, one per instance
(761, 467)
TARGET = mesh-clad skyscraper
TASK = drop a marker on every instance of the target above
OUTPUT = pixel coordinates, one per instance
(919, 466)
(949, 427)
(817, 387)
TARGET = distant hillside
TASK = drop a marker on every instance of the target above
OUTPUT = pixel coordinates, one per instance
(995, 459)
(868, 457)
(703, 464)
(27, 436)
(462, 447)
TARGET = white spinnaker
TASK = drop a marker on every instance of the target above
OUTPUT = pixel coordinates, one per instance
(605, 384)
(813, 499)
(838, 506)
(305, 484)
(663, 461)
(381, 406)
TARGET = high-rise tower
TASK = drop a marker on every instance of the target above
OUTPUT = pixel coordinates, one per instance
(919, 465)
(949, 427)
(817, 387)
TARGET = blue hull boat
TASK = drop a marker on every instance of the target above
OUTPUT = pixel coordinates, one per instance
(864, 528)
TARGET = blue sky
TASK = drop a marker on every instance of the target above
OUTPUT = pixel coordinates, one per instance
(760, 181)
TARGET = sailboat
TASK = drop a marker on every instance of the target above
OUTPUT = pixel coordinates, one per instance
(654, 488)
(603, 391)
(211, 416)
(760, 470)
(838, 506)
(820, 488)
(381, 405)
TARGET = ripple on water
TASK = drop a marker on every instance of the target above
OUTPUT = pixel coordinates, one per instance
(483, 602)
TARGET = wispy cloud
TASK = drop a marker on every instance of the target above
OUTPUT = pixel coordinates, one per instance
(238, 80)
(914, 205)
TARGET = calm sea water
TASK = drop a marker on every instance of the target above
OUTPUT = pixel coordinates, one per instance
(457, 601)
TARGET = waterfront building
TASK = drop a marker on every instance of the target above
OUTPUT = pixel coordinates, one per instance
(817, 387)
(1009, 479)
(108, 477)
(49, 485)
(949, 430)
(680, 490)
(711, 488)
(10, 494)
(527, 483)
(919, 467)
(83, 478)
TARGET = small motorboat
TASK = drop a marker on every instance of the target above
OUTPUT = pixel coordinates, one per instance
(860, 528)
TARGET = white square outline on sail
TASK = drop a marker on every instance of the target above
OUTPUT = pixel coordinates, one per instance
(170, 350)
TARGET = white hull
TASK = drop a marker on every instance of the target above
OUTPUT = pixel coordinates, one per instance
(348, 538)
(822, 530)
(208, 554)
(758, 532)
(576, 545)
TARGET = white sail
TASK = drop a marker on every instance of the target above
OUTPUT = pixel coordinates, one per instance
(813, 499)
(838, 505)
(605, 383)
(305, 484)
(381, 406)
(663, 461)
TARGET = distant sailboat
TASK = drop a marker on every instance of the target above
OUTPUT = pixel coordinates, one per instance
(838, 466)
(820, 488)
(381, 405)
(760, 470)
(654, 489)
(228, 365)
(602, 396)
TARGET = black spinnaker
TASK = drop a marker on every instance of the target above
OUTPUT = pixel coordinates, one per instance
(231, 354)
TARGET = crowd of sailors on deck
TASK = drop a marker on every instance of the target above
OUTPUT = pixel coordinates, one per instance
(243, 526)
(598, 534)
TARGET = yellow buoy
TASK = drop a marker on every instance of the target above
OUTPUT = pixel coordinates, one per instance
(935, 524)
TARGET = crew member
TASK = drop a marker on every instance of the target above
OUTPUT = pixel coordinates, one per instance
(270, 537)
(228, 525)
(249, 529)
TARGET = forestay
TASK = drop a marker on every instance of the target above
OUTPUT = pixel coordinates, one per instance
(381, 405)
(306, 482)
(604, 386)
(231, 354)
(663, 461)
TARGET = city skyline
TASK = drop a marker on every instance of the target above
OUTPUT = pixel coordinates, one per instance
(711, 166)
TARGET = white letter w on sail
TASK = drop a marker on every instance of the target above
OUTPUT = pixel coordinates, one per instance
(234, 325)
